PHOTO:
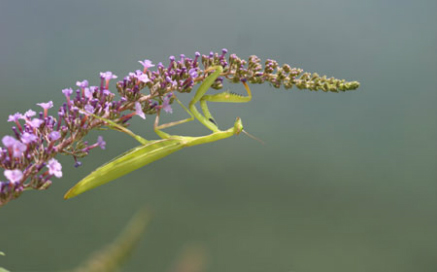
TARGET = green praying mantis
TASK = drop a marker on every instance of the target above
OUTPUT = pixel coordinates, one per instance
(150, 151)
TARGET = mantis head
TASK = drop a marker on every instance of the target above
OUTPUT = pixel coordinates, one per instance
(238, 126)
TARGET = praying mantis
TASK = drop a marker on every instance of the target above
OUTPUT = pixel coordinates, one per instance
(153, 150)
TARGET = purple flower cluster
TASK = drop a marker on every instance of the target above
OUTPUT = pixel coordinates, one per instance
(28, 155)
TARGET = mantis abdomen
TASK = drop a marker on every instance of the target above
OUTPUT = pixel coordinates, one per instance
(125, 163)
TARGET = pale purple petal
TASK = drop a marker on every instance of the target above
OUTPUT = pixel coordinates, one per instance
(29, 113)
(35, 123)
(15, 117)
(193, 73)
(55, 168)
(93, 89)
(147, 63)
(132, 75)
(18, 149)
(89, 92)
(139, 110)
(174, 83)
(143, 78)
(107, 92)
(88, 108)
(107, 75)
(54, 135)
(8, 141)
(14, 176)
(46, 106)
(28, 138)
(67, 92)
(107, 106)
(166, 104)
(100, 142)
(82, 84)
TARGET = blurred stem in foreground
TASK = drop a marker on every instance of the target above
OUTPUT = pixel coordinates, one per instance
(1, 268)
(113, 256)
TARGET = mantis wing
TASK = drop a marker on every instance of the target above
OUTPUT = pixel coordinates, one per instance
(126, 163)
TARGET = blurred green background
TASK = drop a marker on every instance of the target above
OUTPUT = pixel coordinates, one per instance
(345, 182)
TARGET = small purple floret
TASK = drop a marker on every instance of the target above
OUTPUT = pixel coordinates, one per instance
(67, 92)
(147, 63)
(88, 92)
(143, 78)
(54, 135)
(89, 109)
(35, 123)
(29, 113)
(28, 138)
(107, 92)
(18, 149)
(166, 104)
(8, 141)
(46, 106)
(15, 117)
(14, 176)
(101, 143)
(108, 75)
(55, 168)
(82, 84)
(193, 72)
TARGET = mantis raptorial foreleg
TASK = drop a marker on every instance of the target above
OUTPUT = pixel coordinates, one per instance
(206, 119)
(223, 97)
